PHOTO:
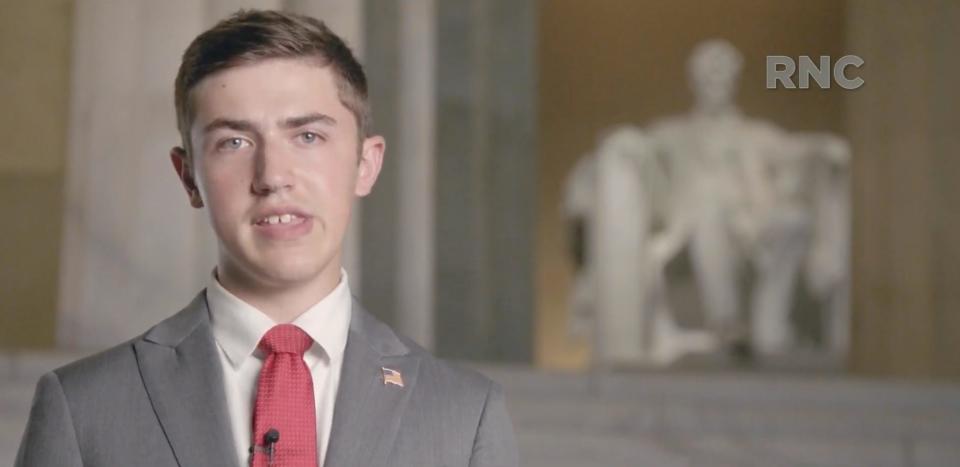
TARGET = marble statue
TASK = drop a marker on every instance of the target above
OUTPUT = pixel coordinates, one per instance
(617, 294)
(733, 193)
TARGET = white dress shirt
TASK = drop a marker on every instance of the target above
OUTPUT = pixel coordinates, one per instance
(238, 327)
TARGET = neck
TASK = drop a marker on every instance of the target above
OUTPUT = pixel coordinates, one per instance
(716, 111)
(283, 303)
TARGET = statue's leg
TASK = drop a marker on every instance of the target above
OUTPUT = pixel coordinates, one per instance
(778, 261)
(716, 265)
(771, 332)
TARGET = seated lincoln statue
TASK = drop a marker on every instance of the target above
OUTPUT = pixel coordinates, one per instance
(758, 213)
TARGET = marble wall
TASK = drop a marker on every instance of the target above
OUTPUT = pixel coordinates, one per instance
(34, 90)
(903, 124)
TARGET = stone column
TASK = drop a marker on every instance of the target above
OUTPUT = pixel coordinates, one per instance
(133, 250)
(397, 252)
(216, 10)
(416, 119)
(906, 230)
(379, 260)
(486, 178)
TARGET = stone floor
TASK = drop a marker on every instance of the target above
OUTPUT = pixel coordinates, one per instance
(691, 418)
(736, 419)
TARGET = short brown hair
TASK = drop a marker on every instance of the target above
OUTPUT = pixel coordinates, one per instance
(249, 36)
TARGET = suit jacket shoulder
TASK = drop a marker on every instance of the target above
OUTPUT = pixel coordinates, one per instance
(121, 405)
(465, 411)
(447, 405)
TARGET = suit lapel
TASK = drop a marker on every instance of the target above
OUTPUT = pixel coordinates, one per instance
(368, 412)
(181, 372)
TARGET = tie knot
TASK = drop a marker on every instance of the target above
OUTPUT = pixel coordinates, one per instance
(285, 338)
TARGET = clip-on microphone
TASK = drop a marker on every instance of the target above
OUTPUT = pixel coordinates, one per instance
(270, 439)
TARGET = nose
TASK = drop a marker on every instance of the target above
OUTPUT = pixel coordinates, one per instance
(272, 171)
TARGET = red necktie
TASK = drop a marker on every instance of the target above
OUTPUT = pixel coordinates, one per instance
(284, 416)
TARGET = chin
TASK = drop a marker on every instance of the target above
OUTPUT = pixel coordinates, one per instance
(278, 267)
(289, 273)
(296, 268)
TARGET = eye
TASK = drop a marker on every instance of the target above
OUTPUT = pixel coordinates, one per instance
(232, 144)
(310, 137)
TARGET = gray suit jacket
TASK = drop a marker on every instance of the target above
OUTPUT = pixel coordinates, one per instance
(158, 400)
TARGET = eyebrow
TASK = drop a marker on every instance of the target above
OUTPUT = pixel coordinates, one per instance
(236, 125)
(292, 122)
(295, 122)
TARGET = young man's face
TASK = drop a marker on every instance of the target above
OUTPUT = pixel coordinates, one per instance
(277, 164)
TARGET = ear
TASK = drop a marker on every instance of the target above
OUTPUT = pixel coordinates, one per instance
(184, 168)
(371, 160)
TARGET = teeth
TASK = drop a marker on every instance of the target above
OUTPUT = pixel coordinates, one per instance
(281, 219)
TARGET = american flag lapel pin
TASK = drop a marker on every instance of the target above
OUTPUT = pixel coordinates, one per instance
(391, 376)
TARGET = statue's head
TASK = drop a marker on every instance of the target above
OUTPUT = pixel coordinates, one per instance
(714, 71)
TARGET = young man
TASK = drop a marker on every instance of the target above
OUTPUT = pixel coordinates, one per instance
(273, 363)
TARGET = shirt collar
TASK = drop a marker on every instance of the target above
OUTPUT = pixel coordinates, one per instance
(238, 326)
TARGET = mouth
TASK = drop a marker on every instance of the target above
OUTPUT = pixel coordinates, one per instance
(283, 224)
(280, 219)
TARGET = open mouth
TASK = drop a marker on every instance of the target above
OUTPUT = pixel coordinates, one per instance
(280, 219)
(283, 225)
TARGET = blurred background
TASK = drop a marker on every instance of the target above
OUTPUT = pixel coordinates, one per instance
(482, 242)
